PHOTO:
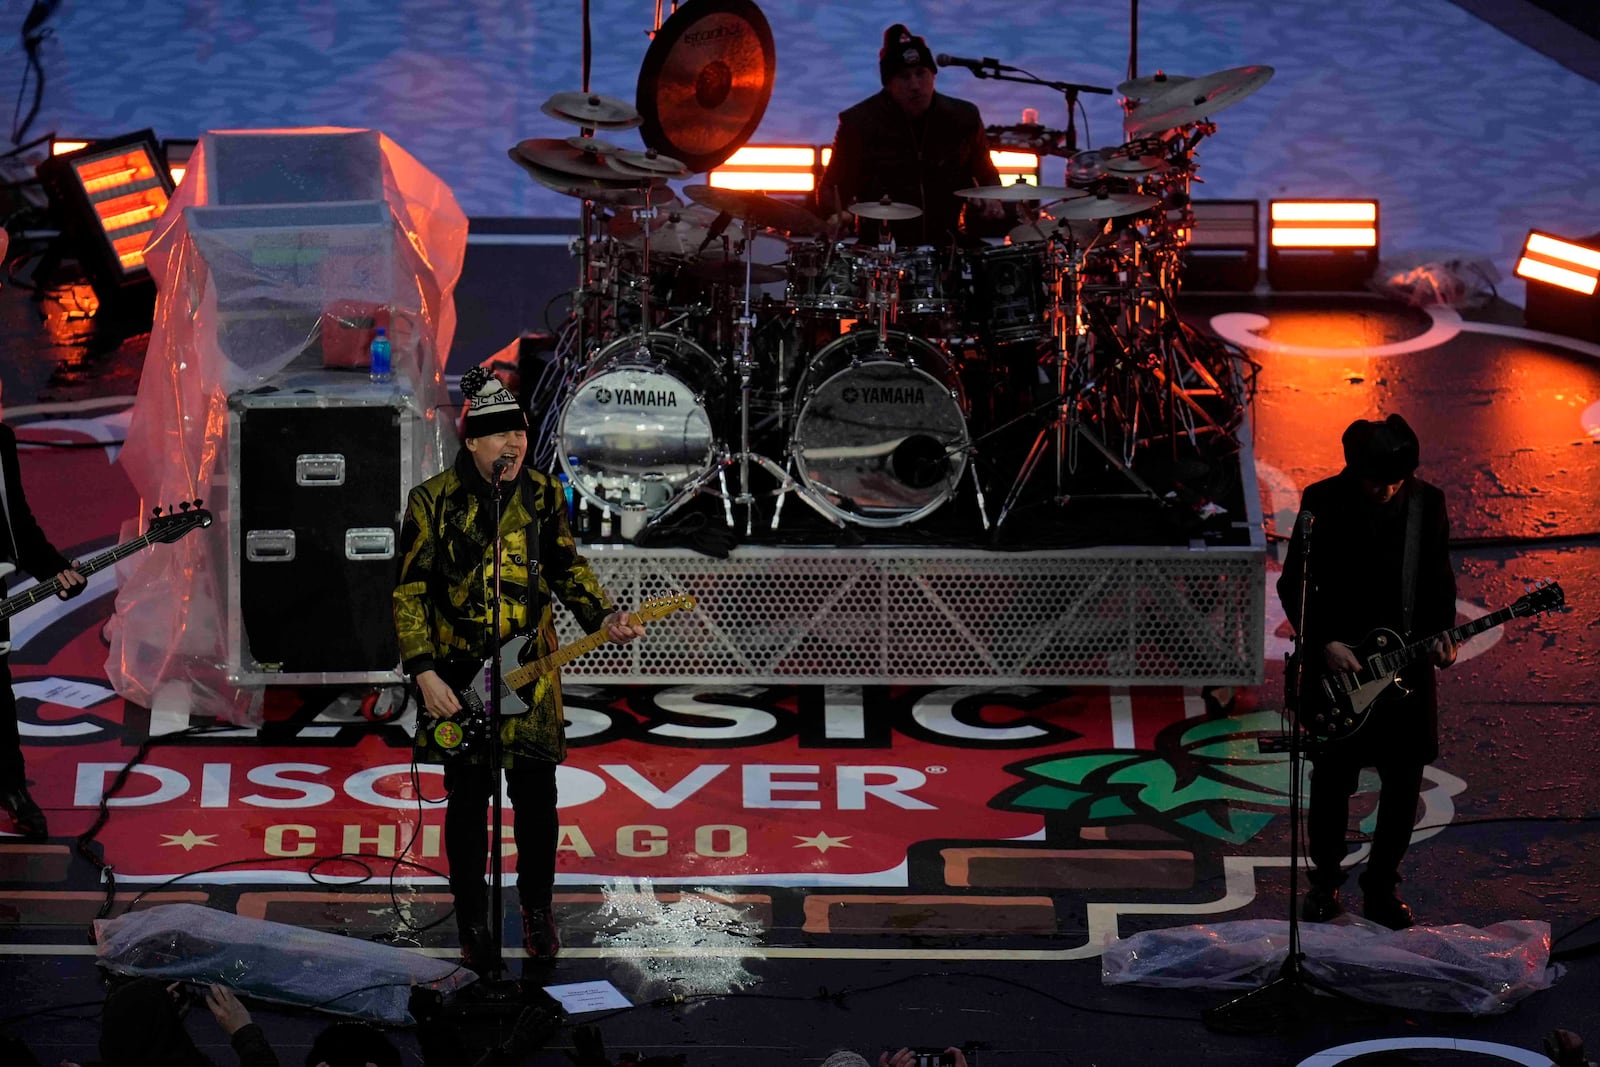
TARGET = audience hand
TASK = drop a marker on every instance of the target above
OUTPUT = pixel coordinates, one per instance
(226, 1009)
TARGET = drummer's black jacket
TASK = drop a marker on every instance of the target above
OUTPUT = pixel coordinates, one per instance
(879, 152)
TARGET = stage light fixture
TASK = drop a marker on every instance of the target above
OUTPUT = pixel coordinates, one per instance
(1015, 166)
(109, 196)
(175, 152)
(1563, 277)
(1223, 248)
(60, 146)
(768, 169)
(1321, 244)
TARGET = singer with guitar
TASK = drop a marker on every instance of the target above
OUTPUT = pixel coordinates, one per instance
(1379, 556)
(442, 614)
(24, 544)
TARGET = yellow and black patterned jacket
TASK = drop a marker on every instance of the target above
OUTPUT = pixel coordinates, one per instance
(441, 599)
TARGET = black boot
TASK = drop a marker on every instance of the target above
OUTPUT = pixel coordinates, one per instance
(1321, 904)
(1381, 903)
(480, 945)
(26, 815)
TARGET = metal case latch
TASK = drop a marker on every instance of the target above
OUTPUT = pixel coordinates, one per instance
(368, 542)
(319, 468)
(269, 546)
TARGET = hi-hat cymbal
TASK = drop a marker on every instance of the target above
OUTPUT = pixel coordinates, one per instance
(592, 110)
(884, 210)
(757, 208)
(1151, 85)
(705, 81)
(1019, 191)
(647, 164)
(1135, 166)
(558, 155)
(1195, 99)
(1109, 206)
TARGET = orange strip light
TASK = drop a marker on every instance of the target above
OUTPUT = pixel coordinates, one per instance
(1324, 224)
(1561, 263)
(768, 168)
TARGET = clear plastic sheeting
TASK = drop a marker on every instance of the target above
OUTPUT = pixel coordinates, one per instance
(1428, 280)
(1452, 969)
(279, 254)
(272, 961)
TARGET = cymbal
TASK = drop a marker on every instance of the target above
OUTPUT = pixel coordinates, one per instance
(1135, 166)
(592, 110)
(624, 227)
(621, 192)
(1019, 191)
(705, 81)
(593, 145)
(714, 267)
(884, 210)
(683, 238)
(1109, 206)
(1151, 85)
(756, 208)
(558, 155)
(1196, 99)
(647, 164)
(1080, 230)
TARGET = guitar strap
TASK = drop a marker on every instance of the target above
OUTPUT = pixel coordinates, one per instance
(1408, 563)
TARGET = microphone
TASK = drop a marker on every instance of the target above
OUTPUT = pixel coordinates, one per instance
(501, 465)
(980, 67)
(1305, 520)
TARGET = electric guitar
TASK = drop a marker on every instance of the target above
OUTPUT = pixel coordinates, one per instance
(164, 529)
(1341, 702)
(468, 728)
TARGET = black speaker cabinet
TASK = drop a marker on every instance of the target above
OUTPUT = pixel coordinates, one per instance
(319, 483)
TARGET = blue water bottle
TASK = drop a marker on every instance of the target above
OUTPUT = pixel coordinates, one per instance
(382, 366)
(566, 494)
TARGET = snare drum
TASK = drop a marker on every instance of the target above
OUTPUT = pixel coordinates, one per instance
(644, 407)
(1008, 299)
(881, 437)
(825, 279)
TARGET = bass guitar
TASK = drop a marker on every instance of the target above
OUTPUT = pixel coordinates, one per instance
(467, 730)
(1341, 702)
(164, 529)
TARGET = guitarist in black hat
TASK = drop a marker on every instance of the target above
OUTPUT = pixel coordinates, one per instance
(24, 544)
(1361, 579)
(442, 613)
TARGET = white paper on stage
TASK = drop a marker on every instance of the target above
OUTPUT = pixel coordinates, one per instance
(272, 961)
(1426, 968)
(279, 254)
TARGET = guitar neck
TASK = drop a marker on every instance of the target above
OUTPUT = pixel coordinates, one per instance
(533, 671)
(51, 586)
(1417, 649)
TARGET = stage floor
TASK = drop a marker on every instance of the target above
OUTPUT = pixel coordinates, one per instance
(942, 862)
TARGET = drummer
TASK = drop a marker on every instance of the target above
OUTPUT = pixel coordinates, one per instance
(914, 146)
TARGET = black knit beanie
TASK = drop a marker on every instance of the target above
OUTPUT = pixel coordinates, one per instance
(901, 49)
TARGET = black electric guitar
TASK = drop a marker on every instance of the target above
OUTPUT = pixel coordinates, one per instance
(164, 529)
(1339, 703)
(467, 729)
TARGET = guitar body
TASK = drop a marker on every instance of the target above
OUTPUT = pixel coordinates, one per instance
(519, 674)
(1339, 703)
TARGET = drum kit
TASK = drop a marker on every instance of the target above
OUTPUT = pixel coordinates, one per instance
(726, 344)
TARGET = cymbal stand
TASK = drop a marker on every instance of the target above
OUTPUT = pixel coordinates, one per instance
(1071, 348)
(744, 363)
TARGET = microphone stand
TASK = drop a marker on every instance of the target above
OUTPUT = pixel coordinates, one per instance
(1289, 998)
(1069, 90)
(497, 988)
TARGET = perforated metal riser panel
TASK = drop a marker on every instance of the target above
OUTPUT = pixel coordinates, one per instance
(1178, 618)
